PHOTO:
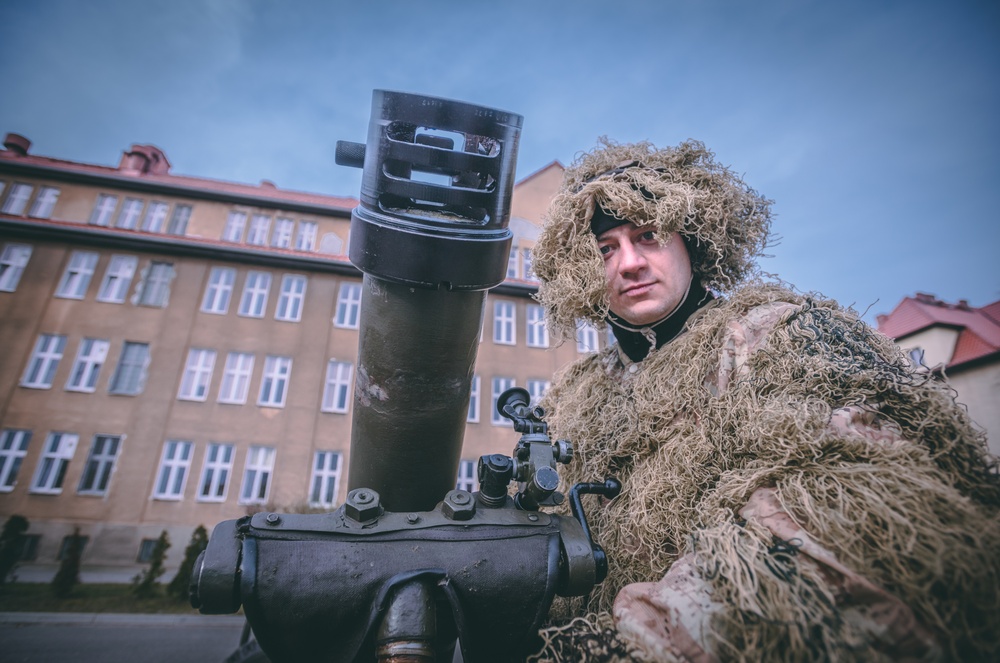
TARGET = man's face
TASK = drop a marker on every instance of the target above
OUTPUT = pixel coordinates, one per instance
(646, 280)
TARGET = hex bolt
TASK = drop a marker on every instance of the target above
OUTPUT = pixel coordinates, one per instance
(272, 519)
(362, 505)
(458, 505)
(412, 518)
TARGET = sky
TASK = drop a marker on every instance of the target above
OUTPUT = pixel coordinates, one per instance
(873, 125)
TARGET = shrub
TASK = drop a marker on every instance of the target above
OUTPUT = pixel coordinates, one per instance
(68, 575)
(144, 584)
(179, 585)
(11, 544)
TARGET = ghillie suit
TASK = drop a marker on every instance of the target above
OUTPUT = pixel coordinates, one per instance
(793, 488)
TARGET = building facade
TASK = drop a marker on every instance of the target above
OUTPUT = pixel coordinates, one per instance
(179, 351)
(959, 341)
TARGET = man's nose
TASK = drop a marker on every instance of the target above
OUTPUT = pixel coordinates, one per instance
(631, 258)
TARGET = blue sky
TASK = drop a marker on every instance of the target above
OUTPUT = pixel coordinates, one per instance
(873, 125)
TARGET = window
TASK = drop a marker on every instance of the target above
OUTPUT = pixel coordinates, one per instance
(538, 332)
(348, 305)
(512, 263)
(586, 338)
(13, 448)
(44, 203)
(89, 359)
(609, 336)
(274, 384)
(306, 240)
(500, 385)
(146, 549)
(13, 260)
(128, 217)
(69, 541)
(293, 291)
(474, 401)
(537, 389)
(236, 378)
(155, 288)
(215, 473)
(528, 265)
(325, 478)
(100, 464)
(173, 471)
(28, 550)
(130, 375)
(466, 476)
(254, 299)
(155, 214)
(179, 220)
(503, 323)
(76, 278)
(233, 232)
(197, 375)
(51, 470)
(259, 225)
(44, 361)
(219, 290)
(117, 279)
(257, 475)
(104, 208)
(282, 237)
(338, 386)
(17, 199)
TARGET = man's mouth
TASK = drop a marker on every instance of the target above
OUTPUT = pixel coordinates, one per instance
(637, 289)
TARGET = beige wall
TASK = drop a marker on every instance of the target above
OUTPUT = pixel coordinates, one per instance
(938, 344)
(979, 389)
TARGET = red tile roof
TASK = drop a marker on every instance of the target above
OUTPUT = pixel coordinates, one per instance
(979, 328)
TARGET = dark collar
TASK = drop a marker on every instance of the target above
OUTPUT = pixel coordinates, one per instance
(636, 342)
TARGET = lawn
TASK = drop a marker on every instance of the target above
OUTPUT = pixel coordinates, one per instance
(38, 597)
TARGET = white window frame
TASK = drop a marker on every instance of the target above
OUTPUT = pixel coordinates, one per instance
(348, 305)
(290, 301)
(117, 279)
(50, 473)
(504, 323)
(17, 199)
(511, 264)
(172, 475)
(236, 377)
(233, 232)
(13, 260)
(528, 266)
(104, 209)
(473, 415)
(44, 203)
(337, 387)
(100, 465)
(129, 378)
(284, 228)
(536, 389)
(253, 303)
(218, 290)
(260, 226)
(77, 275)
(155, 287)
(305, 240)
(156, 212)
(467, 478)
(179, 220)
(275, 381)
(44, 361)
(257, 473)
(197, 377)
(216, 472)
(325, 482)
(586, 338)
(536, 331)
(130, 213)
(497, 386)
(13, 448)
(90, 357)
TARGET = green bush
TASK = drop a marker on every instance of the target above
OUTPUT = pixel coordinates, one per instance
(11, 544)
(68, 575)
(178, 587)
(145, 584)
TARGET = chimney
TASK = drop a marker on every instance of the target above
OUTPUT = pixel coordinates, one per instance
(963, 304)
(17, 144)
(926, 298)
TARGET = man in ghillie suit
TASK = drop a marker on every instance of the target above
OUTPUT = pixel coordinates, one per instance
(794, 489)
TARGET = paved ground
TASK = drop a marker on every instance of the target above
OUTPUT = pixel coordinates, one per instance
(47, 637)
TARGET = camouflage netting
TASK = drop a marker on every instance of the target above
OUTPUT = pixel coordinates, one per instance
(681, 189)
(920, 519)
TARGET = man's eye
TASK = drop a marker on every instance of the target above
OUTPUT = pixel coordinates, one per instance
(648, 236)
(605, 250)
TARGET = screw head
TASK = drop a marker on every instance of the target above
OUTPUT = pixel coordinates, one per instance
(362, 505)
(272, 519)
(412, 518)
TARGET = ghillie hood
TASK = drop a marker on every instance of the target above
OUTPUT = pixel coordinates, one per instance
(681, 189)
